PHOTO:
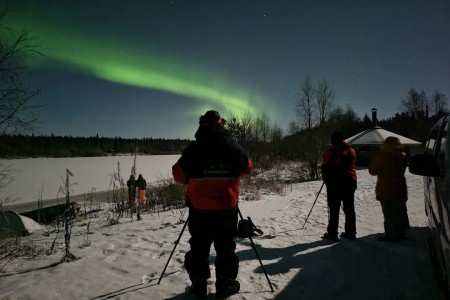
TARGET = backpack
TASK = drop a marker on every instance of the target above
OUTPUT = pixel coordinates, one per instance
(246, 228)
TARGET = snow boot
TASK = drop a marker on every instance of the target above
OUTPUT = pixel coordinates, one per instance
(199, 288)
(348, 236)
(223, 291)
(331, 237)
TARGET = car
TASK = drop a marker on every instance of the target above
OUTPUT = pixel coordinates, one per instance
(434, 165)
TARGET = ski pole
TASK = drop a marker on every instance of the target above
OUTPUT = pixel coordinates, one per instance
(254, 248)
(306, 220)
(176, 243)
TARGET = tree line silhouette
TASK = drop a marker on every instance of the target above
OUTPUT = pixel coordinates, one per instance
(247, 130)
(18, 146)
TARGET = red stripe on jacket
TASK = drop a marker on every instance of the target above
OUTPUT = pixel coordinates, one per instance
(212, 193)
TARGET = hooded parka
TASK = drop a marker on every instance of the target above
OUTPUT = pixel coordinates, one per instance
(389, 164)
(211, 167)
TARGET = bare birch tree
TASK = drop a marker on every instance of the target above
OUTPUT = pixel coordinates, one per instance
(18, 111)
(438, 103)
(304, 107)
(415, 103)
(325, 97)
(312, 108)
(17, 108)
(262, 128)
(246, 127)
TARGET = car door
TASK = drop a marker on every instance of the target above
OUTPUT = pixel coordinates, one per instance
(434, 165)
(441, 185)
(437, 205)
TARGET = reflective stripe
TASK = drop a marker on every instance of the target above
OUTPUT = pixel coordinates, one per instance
(215, 178)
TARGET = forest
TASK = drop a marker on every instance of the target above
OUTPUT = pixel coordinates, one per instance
(20, 146)
(254, 133)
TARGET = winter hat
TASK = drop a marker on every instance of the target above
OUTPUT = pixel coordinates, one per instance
(336, 138)
(211, 117)
(392, 142)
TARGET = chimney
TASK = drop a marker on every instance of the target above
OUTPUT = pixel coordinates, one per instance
(374, 118)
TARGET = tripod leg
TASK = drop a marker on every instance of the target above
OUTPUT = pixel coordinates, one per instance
(306, 220)
(176, 243)
(256, 252)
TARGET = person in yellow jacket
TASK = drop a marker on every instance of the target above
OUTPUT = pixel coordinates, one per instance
(389, 165)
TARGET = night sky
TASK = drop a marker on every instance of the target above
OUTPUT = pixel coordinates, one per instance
(148, 68)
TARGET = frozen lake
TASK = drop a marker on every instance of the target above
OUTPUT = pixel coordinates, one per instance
(41, 178)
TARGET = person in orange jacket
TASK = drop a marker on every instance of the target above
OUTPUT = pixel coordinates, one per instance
(211, 167)
(339, 175)
(142, 188)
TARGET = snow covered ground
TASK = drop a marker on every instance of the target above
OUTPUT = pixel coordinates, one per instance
(125, 261)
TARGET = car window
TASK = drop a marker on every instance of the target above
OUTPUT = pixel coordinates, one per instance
(442, 148)
(434, 135)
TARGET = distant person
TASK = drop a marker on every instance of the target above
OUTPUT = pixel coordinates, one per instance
(339, 175)
(211, 167)
(131, 183)
(389, 165)
(142, 187)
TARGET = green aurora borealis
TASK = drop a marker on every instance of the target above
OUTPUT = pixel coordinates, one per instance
(112, 61)
(136, 68)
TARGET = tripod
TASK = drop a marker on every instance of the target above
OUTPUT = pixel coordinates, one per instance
(251, 241)
(306, 220)
(176, 243)
(256, 252)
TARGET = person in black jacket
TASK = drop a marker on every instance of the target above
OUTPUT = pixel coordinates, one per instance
(211, 167)
(131, 183)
